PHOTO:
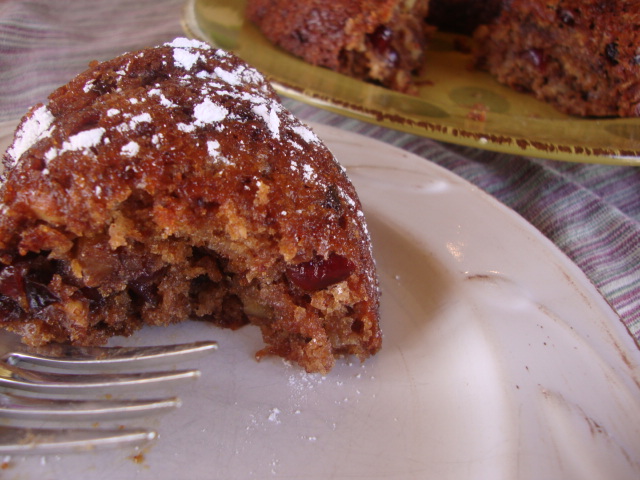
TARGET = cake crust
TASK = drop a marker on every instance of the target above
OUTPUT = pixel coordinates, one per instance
(169, 184)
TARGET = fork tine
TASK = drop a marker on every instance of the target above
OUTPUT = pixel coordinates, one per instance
(17, 407)
(94, 364)
(54, 383)
(19, 441)
(67, 356)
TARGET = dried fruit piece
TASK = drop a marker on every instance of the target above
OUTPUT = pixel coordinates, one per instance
(320, 272)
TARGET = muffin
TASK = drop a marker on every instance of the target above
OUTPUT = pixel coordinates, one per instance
(581, 56)
(380, 41)
(171, 184)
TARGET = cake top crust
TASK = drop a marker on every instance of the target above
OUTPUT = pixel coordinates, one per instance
(184, 120)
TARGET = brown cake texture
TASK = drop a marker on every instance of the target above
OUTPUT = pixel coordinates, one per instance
(381, 41)
(582, 56)
(171, 184)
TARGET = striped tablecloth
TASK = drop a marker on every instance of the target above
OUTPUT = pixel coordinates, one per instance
(591, 212)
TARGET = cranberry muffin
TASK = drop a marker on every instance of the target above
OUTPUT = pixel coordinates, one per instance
(171, 184)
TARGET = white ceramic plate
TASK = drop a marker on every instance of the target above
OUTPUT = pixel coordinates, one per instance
(500, 361)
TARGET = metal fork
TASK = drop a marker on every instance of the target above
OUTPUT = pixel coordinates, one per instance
(87, 373)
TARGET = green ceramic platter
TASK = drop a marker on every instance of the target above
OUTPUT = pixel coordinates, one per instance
(446, 106)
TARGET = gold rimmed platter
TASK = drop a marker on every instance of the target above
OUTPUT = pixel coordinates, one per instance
(455, 104)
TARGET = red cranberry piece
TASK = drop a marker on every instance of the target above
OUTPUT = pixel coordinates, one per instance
(537, 57)
(12, 282)
(381, 38)
(320, 272)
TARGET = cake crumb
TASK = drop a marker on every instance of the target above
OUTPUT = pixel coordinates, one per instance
(273, 415)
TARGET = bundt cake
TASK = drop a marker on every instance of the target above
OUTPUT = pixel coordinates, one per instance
(381, 41)
(582, 56)
(170, 184)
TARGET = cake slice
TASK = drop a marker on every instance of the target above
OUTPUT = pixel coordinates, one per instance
(380, 41)
(170, 184)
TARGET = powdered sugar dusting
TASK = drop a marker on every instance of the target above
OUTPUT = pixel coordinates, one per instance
(308, 173)
(306, 134)
(270, 117)
(208, 112)
(184, 58)
(242, 75)
(273, 415)
(131, 149)
(186, 127)
(51, 154)
(164, 101)
(138, 119)
(83, 140)
(232, 78)
(183, 54)
(88, 86)
(213, 148)
(182, 42)
(31, 131)
(157, 139)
